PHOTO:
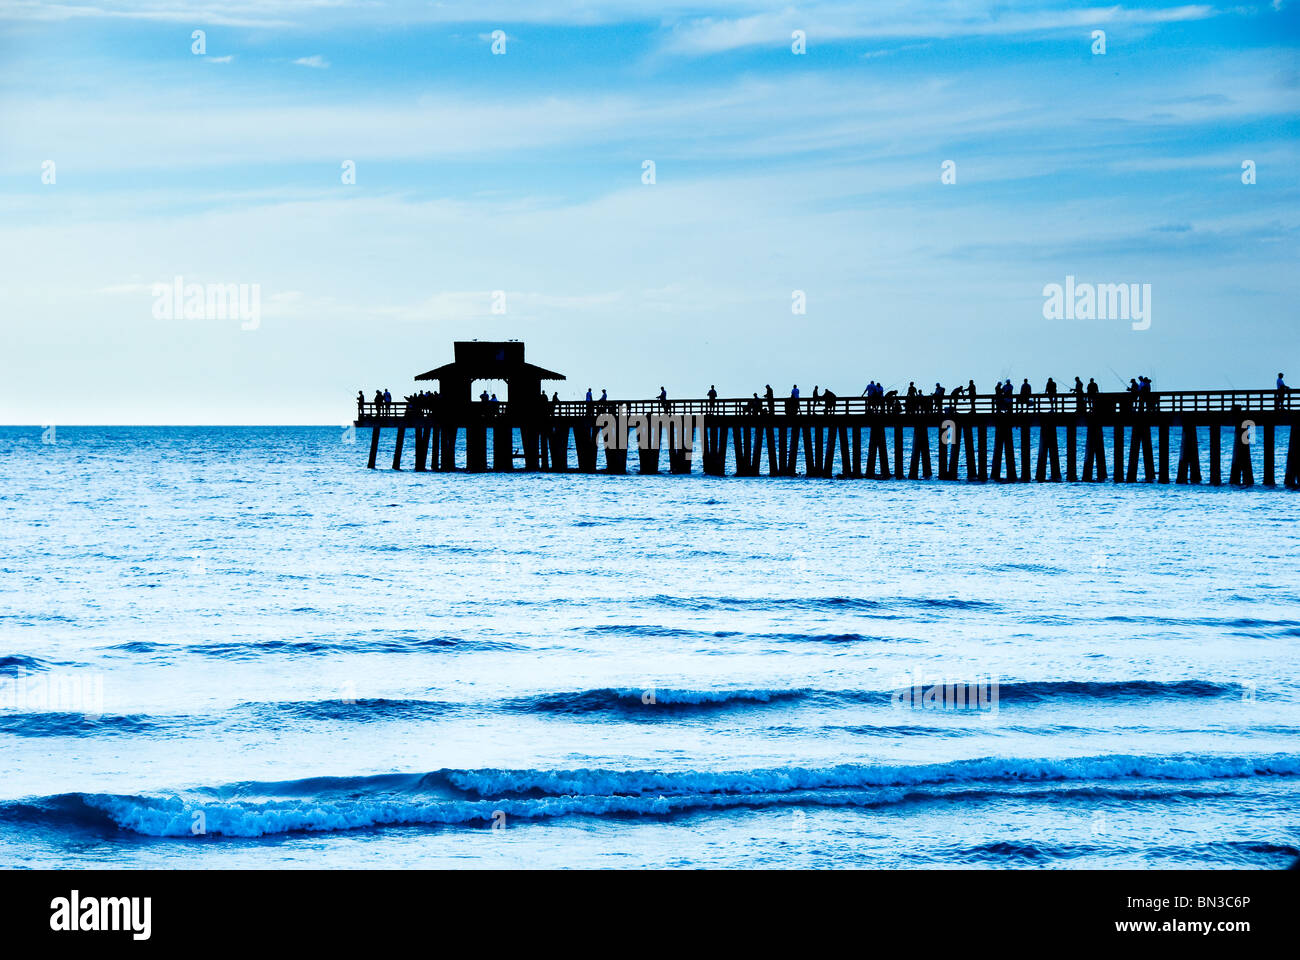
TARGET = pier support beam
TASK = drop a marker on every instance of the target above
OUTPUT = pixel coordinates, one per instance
(1025, 430)
(1048, 460)
(876, 449)
(681, 444)
(1140, 443)
(920, 465)
(1094, 453)
(530, 437)
(1118, 431)
(397, 448)
(585, 435)
(615, 446)
(1291, 479)
(557, 438)
(1269, 442)
(810, 458)
(447, 441)
(374, 447)
(476, 448)
(421, 448)
(1164, 453)
(1216, 455)
(503, 448)
(1004, 450)
(898, 451)
(1071, 453)
(1242, 473)
(1189, 457)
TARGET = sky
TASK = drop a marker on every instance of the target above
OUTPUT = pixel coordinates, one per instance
(503, 194)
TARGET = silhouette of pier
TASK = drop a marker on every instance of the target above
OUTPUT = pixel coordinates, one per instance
(1126, 438)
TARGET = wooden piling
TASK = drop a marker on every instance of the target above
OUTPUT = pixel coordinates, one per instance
(1140, 444)
(1269, 441)
(374, 446)
(1094, 453)
(877, 451)
(1164, 452)
(828, 453)
(503, 448)
(397, 448)
(1004, 450)
(1291, 478)
(615, 444)
(558, 438)
(447, 435)
(530, 438)
(1189, 457)
(476, 448)
(920, 465)
(421, 448)
(1071, 453)
(1242, 473)
(1118, 431)
(1048, 461)
(1216, 456)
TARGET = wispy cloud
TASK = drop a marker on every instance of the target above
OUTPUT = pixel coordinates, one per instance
(315, 61)
(833, 22)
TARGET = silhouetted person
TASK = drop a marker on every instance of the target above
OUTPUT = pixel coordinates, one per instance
(1050, 390)
(1282, 391)
(771, 400)
(1094, 392)
(663, 398)
(713, 397)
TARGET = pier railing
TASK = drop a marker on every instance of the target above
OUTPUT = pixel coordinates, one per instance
(1167, 401)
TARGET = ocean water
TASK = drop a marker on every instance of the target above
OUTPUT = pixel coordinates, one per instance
(238, 647)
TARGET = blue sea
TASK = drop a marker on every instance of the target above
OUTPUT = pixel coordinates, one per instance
(237, 647)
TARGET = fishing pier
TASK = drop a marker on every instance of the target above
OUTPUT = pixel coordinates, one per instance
(1102, 437)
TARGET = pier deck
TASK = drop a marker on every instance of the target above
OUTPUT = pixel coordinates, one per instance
(977, 438)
